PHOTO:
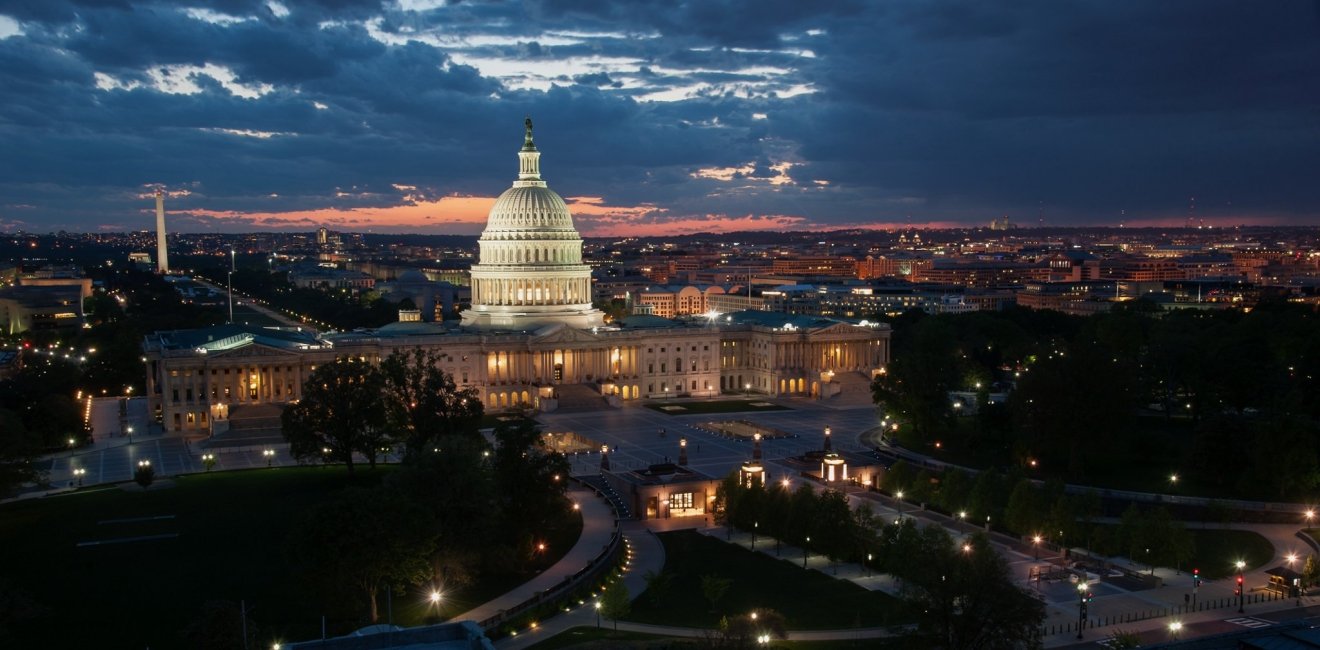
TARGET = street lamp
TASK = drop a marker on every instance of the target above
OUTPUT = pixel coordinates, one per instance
(78, 472)
(598, 615)
(1081, 606)
(434, 597)
(806, 552)
(1292, 559)
(130, 435)
(755, 525)
(208, 460)
(899, 496)
(1174, 628)
(1035, 541)
(1241, 586)
(868, 565)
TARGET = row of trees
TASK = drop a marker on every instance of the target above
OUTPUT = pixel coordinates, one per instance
(961, 595)
(1081, 386)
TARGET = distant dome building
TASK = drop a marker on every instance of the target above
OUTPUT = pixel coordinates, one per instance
(530, 272)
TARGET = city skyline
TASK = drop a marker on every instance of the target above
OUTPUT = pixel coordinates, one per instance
(400, 116)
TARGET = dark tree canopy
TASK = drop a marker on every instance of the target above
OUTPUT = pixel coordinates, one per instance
(424, 404)
(341, 413)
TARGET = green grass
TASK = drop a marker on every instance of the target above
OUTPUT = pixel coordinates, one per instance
(592, 638)
(246, 314)
(718, 406)
(1217, 550)
(807, 599)
(231, 528)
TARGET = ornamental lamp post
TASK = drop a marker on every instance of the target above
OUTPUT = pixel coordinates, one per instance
(1081, 606)
(1241, 586)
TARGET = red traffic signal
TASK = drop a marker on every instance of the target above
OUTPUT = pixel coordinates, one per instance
(1239, 580)
(1196, 572)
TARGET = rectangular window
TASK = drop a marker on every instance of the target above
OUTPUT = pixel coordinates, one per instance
(188, 393)
(176, 395)
(202, 416)
(694, 384)
(192, 417)
(662, 366)
(680, 501)
(176, 422)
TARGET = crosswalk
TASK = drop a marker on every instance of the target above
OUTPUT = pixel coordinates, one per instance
(1247, 621)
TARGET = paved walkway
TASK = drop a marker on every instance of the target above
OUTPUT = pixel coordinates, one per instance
(648, 554)
(597, 530)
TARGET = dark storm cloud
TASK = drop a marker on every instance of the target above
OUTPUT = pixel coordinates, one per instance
(891, 111)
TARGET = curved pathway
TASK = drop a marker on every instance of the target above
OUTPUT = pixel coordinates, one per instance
(597, 530)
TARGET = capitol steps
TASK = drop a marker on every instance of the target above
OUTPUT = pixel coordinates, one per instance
(580, 398)
(855, 390)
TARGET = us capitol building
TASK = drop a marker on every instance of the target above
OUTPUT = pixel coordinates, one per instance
(531, 339)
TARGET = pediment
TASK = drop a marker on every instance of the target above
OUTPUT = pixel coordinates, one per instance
(557, 334)
(252, 349)
(840, 328)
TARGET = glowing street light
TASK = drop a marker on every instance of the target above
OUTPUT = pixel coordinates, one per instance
(1174, 628)
(270, 456)
(1035, 541)
(598, 614)
(434, 597)
(79, 472)
(1241, 586)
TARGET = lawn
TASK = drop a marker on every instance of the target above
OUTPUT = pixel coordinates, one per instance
(807, 599)
(1217, 550)
(224, 539)
(590, 638)
(717, 406)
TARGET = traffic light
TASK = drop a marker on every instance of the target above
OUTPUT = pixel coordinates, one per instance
(1089, 597)
(1238, 590)
(1196, 577)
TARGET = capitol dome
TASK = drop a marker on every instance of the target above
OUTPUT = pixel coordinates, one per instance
(530, 271)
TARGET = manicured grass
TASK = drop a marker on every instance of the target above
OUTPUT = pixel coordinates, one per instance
(231, 545)
(807, 599)
(718, 406)
(590, 638)
(1217, 550)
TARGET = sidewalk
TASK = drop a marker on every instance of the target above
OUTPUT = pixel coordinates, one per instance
(597, 529)
(648, 554)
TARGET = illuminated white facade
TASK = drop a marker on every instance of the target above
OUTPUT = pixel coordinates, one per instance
(530, 272)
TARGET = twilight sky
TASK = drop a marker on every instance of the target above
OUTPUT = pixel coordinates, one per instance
(658, 117)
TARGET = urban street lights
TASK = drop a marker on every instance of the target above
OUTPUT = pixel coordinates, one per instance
(899, 496)
(868, 565)
(1174, 628)
(1035, 541)
(598, 614)
(806, 552)
(270, 456)
(1292, 559)
(1081, 606)
(208, 461)
(78, 472)
(1241, 586)
(755, 526)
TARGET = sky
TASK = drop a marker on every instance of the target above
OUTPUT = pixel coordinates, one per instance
(658, 118)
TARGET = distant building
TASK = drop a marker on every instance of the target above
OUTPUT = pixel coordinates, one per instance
(531, 339)
(25, 308)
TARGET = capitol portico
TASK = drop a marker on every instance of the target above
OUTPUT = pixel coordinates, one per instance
(531, 338)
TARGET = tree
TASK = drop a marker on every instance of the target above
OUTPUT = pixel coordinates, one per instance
(834, 526)
(364, 541)
(657, 585)
(221, 625)
(18, 450)
(1023, 514)
(713, 588)
(614, 603)
(1310, 572)
(965, 598)
(917, 382)
(341, 413)
(742, 631)
(423, 403)
(530, 480)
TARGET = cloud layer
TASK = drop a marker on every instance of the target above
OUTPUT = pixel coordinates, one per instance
(661, 117)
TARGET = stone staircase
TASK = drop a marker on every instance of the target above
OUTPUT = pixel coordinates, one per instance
(580, 398)
(248, 425)
(855, 390)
